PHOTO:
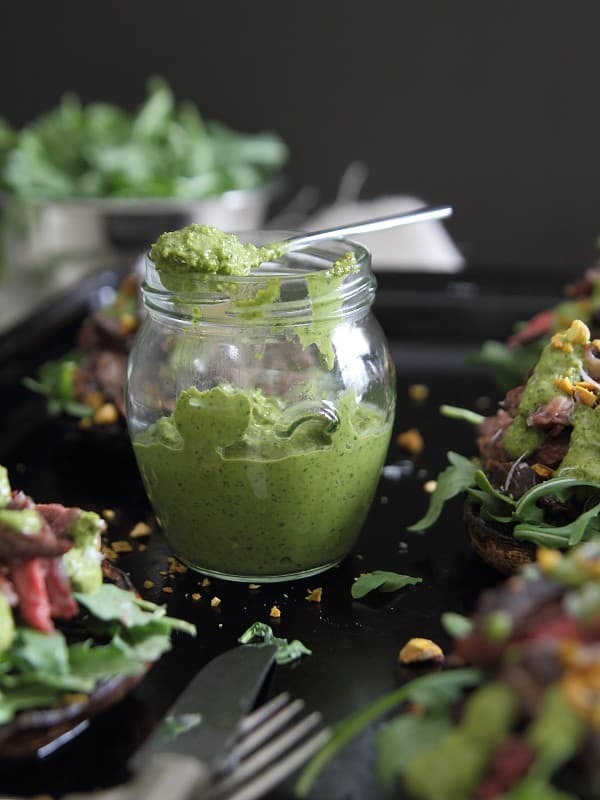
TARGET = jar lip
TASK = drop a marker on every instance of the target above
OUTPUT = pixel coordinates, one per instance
(278, 292)
(315, 258)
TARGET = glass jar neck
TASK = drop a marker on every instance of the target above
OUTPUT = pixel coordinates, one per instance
(299, 289)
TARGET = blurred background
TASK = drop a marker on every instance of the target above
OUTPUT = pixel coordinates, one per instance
(492, 107)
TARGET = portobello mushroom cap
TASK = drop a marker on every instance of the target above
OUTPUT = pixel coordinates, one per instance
(494, 542)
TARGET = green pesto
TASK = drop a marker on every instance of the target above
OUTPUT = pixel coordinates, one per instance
(582, 459)
(343, 266)
(253, 307)
(82, 562)
(326, 298)
(540, 389)
(7, 624)
(455, 765)
(27, 521)
(242, 487)
(4, 487)
(202, 249)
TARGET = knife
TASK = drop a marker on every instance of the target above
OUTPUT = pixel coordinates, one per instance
(185, 751)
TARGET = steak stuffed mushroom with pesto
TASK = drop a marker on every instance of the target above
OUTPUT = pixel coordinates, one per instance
(537, 478)
(72, 640)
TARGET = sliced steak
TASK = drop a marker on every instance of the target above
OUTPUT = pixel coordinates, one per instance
(556, 412)
(512, 400)
(58, 517)
(16, 545)
(490, 434)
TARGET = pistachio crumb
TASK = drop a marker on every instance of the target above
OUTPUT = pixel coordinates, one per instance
(418, 649)
(168, 589)
(315, 595)
(418, 391)
(275, 612)
(109, 553)
(121, 546)
(411, 441)
(140, 530)
(107, 414)
(148, 584)
(108, 514)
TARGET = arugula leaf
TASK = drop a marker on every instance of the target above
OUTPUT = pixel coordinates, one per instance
(26, 697)
(454, 412)
(457, 625)
(40, 652)
(510, 365)
(381, 580)
(527, 510)
(164, 150)
(34, 681)
(454, 480)
(103, 661)
(55, 383)
(555, 734)
(430, 691)
(286, 651)
(567, 535)
(400, 740)
(109, 603)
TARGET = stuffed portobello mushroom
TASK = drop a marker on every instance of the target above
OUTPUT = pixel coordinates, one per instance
(536, 481)
(74, 636)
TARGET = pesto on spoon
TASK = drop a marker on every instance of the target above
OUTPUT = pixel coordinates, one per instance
(204, 249)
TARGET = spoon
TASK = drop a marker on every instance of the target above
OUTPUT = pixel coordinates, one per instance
(378, 224)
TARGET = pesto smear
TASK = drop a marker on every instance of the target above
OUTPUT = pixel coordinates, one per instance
(560, 371)
(243, 486)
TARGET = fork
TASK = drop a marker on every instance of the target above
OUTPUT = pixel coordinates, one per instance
(272, 743)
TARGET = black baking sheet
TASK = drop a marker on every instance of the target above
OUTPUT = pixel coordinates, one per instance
(432, 323)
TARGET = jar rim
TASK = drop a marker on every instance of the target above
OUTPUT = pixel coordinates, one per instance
(194, 296)
(319, 257)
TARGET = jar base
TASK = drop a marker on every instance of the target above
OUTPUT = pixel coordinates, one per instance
(288, 576)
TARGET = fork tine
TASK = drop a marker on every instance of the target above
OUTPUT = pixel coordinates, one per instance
(265, 731)
(257, 717)
(268, 754)
(271, 777)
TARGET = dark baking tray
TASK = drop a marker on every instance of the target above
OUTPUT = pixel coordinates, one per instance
(433, 322)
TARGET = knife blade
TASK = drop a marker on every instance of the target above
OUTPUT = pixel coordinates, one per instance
(204, 719)
(181, 756)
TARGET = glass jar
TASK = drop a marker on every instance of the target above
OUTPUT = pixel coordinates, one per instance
(260, 410)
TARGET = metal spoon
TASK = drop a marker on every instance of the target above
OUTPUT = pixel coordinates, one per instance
(378, 224)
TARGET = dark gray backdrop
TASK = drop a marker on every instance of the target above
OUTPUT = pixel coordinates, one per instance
(490, 105)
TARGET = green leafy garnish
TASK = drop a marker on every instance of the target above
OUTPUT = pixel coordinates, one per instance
(510, 365)
(525, 515)
(555, 735)
(398, 742)
(430, 691)
(55, 382)
(456, 625)
(286, 651)
(381, 580)
(454, 412)
(164, 150)
(39, 668)
(454, 480)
